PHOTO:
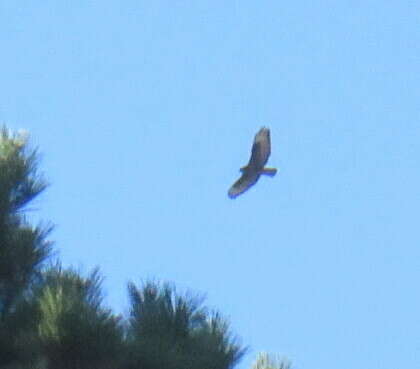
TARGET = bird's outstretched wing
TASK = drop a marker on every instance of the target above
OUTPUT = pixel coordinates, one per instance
(261, 148)
(247, 179)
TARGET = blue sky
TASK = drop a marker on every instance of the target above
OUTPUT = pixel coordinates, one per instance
(144, 111)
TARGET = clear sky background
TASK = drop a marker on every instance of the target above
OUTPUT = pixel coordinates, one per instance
(145, 110)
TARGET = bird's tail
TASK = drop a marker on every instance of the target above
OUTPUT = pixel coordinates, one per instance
(269, 172)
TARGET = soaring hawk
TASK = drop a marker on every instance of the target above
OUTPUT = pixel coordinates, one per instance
(251, 172)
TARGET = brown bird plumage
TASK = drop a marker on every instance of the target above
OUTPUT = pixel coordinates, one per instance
(261, 150)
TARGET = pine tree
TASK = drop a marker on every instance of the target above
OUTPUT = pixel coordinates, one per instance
(23, 248)
(75, 330)
(172, 331)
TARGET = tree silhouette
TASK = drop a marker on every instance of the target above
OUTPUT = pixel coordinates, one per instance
(23, 248)
(75, 331)
(169, 330)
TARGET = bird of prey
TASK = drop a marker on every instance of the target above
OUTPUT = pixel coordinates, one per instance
(252, 171)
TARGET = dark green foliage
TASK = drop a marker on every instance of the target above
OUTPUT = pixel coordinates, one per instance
(168, 330)
(215, 347)
(75, 331)
(23, 248)
(20, 182)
